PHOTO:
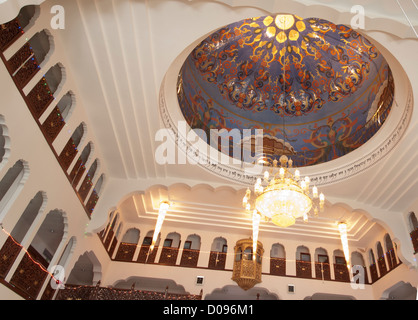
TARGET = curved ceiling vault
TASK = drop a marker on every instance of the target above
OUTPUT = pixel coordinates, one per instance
(318, 90)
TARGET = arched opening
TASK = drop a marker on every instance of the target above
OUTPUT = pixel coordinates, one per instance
(381, 261)
(42, 94)
(111, 232)
(400, 291)
(86, 271)
(413, 224)
(218, 252)
(88, 181)
(26, 62)
(128, 245)
(359, 265)
(80, 166)
(31, 273)
(170, 249)
(12, 246)
(11, 185)
(56, 120)
(340, 266)
(95, 195)
(303, 262)
(191, 250)
(115, 240)
(145, 255)
(390, 252)
(70, 150)
(322, 265)
(11, 31)
(372, 266)
(278, 260)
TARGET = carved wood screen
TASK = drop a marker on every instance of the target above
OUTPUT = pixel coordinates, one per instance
(8, 255)
(91, 203)
(303, 269)
(414, 239)
(29, 277)
(217, 260)
(53, 125)
(39, 98)
(9, 33)
(278, 266)
(68, 154)
(125, 252)
(169, 256)
(145, 256)
(189, 258)
(381, 263)
(373, 272)
(341, 272)
(322, 271)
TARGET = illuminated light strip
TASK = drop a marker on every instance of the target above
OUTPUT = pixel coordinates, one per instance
(256, 225)
(161, 216)
(30, 257)
(342, 227)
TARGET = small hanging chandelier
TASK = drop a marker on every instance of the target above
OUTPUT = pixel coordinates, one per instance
(282, 196)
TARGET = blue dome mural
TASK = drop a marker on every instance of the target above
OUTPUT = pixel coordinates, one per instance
(317, 90)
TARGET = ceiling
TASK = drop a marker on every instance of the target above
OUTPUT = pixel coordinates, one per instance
(119, 53)
(321, 89)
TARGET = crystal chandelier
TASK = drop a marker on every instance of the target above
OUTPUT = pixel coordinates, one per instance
(282, 196)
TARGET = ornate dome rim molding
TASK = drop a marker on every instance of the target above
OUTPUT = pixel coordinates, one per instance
(323, 174)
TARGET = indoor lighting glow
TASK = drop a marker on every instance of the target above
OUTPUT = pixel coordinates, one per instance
(256, 225)
(285, 197)
(342, 227)
(161, 216)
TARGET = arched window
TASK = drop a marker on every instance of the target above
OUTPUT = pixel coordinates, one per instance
(111, 232)
(70, 150)
(359, 265)
(95, 195)
(31, 272)
(218, 252)
(128, 245)
(340, 266)
(86, 271)
(11, 185)
(27, 16)
(11, 31)
(381, 261)
(373, 267)
(42, 94)
(322, 265)
(303, 262)
(80, 166)
(88, 181)
(413, 224)
(145, 255)
(115, 240)
(170, 249)
(390, 251)
(26, 62)
(56, 120)
(12, 246)
(191, 250)
(278, 260)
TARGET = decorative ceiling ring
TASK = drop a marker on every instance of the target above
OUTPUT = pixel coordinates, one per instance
(322, 174)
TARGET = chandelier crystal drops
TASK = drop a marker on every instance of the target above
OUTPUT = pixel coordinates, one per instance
(282, 196)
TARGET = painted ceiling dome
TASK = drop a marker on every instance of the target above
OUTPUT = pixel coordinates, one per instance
(317, 90)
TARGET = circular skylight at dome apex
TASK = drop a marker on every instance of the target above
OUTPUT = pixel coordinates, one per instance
(317, 90)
